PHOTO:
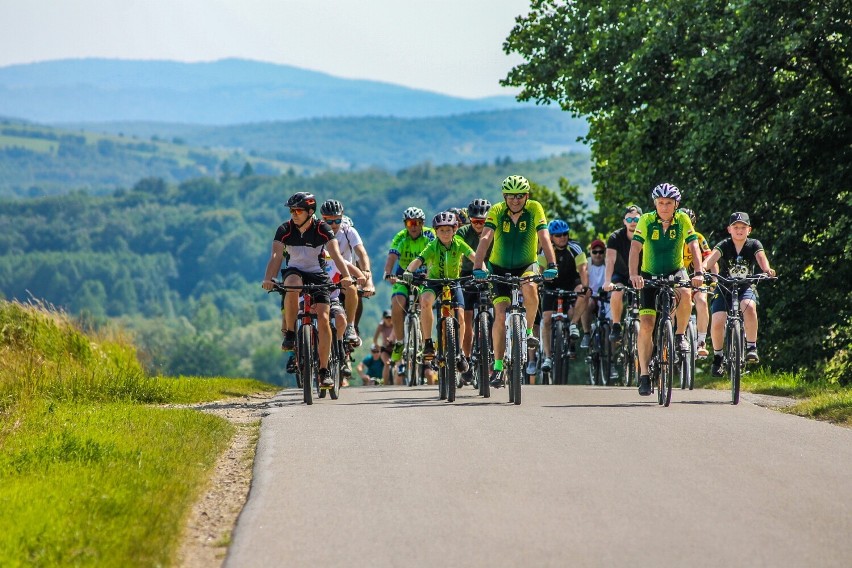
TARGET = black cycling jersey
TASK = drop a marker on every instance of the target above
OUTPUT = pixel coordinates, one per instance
(566, 264)
(620, 243)
(305, 250)
(747, 256)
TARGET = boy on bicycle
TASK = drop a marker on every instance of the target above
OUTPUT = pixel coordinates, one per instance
(443, 258)
(660, 236)
(736, 255)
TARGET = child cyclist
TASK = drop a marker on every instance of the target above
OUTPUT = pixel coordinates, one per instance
(443, 258)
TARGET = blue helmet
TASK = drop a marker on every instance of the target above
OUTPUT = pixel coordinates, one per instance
(558, 227)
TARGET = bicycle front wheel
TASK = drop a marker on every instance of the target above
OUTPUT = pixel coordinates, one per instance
(557, 353)
(666, 352)
(517, 376)
(605, 355)
(335, 363)
(631, 354)
(306, 363)
(483, 363)
(689, 366)
(450, 356)
(735, 358)
(412, 348)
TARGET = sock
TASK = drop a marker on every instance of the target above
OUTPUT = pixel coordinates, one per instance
(719, 352)
(498, 364)
(702, 338)
(617, 325)
(529, 331)
(751, 344)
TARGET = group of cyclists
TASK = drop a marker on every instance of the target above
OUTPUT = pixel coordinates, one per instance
(512, 237)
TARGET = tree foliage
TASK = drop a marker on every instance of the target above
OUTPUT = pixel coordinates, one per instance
(745, 105)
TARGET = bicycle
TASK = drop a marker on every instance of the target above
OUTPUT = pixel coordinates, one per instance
(514, 358)
(412, 350)
(734, 330)
(448, 348)
(600, 357)
(481, 353)
(628, 354)
(561, 343)
(307, 344)
(664, 357)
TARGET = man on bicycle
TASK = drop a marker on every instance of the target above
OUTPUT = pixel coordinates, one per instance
(516, 227)
(351, 246)
(406, 245)
(572, 266)
(617, 256)
(737, 254)
(305, 240)
(660, 235)
(699, 297)
(470, 233)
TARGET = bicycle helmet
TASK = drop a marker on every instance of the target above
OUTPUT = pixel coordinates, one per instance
(302, 200)
(691, 215)
(666, 190)
(558, 227)
(464, 218)
(332, 208)
(445, 219)
(478, 208)
(413, 213)
(346, 219)
(514, 185)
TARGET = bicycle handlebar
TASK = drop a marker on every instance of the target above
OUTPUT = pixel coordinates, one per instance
(282, 289)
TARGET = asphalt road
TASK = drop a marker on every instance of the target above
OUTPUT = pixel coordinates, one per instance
(576, 476)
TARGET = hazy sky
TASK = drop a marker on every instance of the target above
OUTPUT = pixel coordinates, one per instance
(448, 46)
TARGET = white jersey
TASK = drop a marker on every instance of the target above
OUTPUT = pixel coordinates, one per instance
(347, 239)
(596, 277)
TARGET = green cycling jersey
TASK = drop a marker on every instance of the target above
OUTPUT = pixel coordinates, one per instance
(662, 250)
(407, 248)
(515, 243)
(443, 261)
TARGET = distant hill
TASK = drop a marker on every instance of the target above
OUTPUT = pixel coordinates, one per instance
(229, 91)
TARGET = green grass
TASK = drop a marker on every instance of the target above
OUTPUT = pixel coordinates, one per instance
(820, 399)
(91, 474)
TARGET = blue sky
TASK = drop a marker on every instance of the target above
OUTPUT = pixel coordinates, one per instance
(447, 46)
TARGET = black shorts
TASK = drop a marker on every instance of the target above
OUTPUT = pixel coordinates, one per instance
(620, 279)
(505, 290)
(649, 295)
(548, 301)
(317, 296)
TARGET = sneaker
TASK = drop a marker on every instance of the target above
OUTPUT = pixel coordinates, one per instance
(532, 342)
(289, 343)
(644, 385)
(497, 379)
(702, 350)
(396, 355)
(428, 350)
(584, 344)
(291, 365)
(467, 377)
(615, 333)
(751, 355)
(613, 373)
(349, 335)
(532, 366)
(573, 331)
(681, 344)
(547, 365)
(462, 365)
(718, 367)
(346, 368)
(325, 378)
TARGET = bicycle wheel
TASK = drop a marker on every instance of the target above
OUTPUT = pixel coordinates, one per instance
(692, 339)
(631, 354)
(734, 358)
(483, 363)
(593, 358)
(450, 356)
(557, 352)
(667, 362)
(306, 363)
(605, 354)
(517, 376)
(412, 347)
(335, 362)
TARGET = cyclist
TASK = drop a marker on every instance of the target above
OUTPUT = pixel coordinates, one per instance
(443, 258)
(305, 239)
(351, 245)
(597, 272)
(515, 226)
(699, 298)
(337, 311)
(738, 254)
(617, 272)
(660, 235)
(384, 331)
(371, 368)
(470, 233)
(406, 245)
(573, 275)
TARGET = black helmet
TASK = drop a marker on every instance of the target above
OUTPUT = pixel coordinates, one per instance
(303, 200)
(691, 214)
(478, 208)
(331, 208)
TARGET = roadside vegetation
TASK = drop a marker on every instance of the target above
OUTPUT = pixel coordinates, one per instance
(93, 471)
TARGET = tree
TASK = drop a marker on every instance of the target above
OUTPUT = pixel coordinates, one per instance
(745, 106)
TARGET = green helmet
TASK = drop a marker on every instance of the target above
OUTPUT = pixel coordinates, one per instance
(515, 185)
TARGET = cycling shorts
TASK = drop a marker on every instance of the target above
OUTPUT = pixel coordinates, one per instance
(721, 300)
(458, 296)
(548, 301)
(503, 292)
(317, 296)
(649, 295)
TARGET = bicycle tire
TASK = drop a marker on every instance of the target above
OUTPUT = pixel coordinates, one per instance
(692, 338)
(485, 354)
(593, 358)
(667, 362)
(450, 356)
(335, 365)
(734, 357)
(412, 368)
(605, 357)
(518, 363)
(631, 355)
(305, 363)
(557, 352)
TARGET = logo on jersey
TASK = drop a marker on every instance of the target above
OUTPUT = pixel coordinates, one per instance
(672, 233)
(655, 236)
(522, 226)
(507, 226)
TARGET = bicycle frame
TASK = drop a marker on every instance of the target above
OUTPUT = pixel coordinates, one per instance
(412, 340)
(561, 343)
(664, 356)
(481, 355)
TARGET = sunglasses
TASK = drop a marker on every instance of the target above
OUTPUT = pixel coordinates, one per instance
(559, 235)
(332, 221)
(631, 219)
(413, 222)
(297, 211)
(516, 196)
(597, 252)
(477, 221)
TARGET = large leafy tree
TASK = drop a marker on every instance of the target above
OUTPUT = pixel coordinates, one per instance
(745, 105)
